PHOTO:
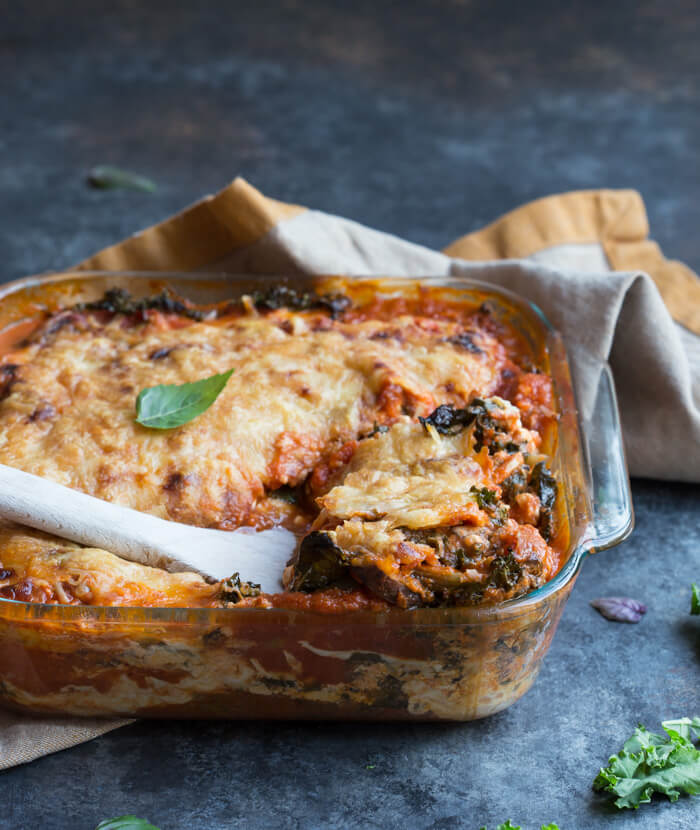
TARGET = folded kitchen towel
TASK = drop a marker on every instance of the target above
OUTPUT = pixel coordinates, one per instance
(583, 257)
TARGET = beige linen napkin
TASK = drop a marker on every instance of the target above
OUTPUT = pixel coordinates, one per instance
(581, 258)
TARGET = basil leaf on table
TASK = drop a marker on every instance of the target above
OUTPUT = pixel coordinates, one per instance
(125, 823)
(172, 405)
(508, 826)
(620, 609)
(105, 177)
(695, 599)
(648, 763)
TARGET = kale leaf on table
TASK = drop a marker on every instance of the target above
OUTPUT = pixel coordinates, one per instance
(125, 823)
(649, 763)
(620, 609)
(508, 826)
(106, 177)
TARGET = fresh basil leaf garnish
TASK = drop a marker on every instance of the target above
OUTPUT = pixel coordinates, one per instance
(106, 177)
(125, 823)
(172, 405)
(694, 599)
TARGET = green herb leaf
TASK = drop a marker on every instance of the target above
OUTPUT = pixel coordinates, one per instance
(285, 493)
(648, 763)
(509, 826)
(234, 589)
(484, 497)
(169, 406)
(105, 177)
(506, 826)
(125, 823)
(695, 599)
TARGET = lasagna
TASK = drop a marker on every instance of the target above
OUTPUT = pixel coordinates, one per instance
(403, 439)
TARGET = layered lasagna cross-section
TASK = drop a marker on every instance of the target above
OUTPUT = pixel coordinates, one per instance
(402, 439)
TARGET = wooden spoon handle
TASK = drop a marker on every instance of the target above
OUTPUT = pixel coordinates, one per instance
(259, 556)
(36, 502)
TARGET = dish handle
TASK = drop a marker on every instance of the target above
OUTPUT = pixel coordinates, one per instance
(612, 510)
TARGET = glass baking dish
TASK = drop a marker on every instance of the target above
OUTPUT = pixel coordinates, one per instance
(432, 663)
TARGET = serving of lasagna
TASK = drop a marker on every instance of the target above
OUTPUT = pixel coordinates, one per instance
(403, 439)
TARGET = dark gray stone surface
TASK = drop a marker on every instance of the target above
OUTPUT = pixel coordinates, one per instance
(427, 119)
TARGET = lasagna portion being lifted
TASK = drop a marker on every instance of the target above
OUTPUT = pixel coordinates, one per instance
(400, 438)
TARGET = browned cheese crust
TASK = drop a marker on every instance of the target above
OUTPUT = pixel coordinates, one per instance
(302, 410)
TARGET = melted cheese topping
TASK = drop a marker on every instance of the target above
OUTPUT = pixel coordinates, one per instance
(42, 568)
(411, 478)
(302, 386)
(305, 391)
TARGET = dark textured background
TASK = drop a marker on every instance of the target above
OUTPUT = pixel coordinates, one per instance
(427, 119)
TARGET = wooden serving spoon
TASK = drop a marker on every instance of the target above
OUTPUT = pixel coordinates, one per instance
(256, 556)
